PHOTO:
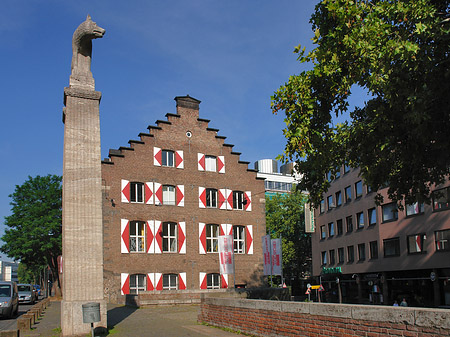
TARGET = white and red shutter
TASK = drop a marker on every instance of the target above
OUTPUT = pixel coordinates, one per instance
(158, 281)
(182, 237)
(248, 198)
(158, 237)
(249, 239)
(179, 159)
(229, 196)
(180, 195)
(418, 243)
(150, 281)
(224, 281)
(125, 190)
(202, 238)
(149, 193)
(150, 237)
(201, 162)
(182, 281)
(201, 197)
(222, 198)
(157, 156)
(203, 281)
(124, 236)
(221, 164)
(229, 229)
(158, 194)
(124, 283)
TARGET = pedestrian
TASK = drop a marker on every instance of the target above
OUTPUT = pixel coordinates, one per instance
(395, 304)
(403, 303)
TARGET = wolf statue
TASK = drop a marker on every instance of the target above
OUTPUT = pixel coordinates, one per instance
(82, 52)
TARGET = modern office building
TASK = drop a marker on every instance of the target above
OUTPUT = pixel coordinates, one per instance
(275, 181)
(8, 271)
(378, 254)
(167, 198)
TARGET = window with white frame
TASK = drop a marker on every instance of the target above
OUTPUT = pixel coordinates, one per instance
(168, 195)
(442, 240)
(137, 236)
(390, 212)
(238, 200)
(210, 163)
(170, 282)
(169, 237)
(167, 158)
(137, 283)
(413, 209)
(137, 192)
(211, 198)
(213, 281)
(416, 243)
(239, 239)
(212, 238)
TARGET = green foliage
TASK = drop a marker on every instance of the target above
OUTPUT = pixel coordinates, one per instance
(25, 275)
(285, 217)
(397, 51)
(35, 228)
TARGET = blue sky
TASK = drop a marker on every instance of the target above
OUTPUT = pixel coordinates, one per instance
(232, 55)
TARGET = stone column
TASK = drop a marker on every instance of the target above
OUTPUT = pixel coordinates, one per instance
(82, 239)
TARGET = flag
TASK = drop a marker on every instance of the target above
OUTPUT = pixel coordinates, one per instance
(276, 256)
(226, 254)
(267, 255)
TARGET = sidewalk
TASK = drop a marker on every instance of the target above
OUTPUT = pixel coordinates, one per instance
(157, 321)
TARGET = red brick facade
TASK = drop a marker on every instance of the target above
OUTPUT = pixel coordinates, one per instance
(163, 204)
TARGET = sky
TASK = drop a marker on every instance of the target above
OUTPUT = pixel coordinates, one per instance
(232, 55)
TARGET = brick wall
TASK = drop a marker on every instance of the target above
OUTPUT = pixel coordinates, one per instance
(276, 318)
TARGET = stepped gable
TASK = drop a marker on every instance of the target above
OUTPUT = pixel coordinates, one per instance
(186, 106)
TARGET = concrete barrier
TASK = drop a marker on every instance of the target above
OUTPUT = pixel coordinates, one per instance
(9, 333)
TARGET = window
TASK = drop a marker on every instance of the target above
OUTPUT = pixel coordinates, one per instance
(373, 249)
(332, 258)
(441, 199)
(239, 239)
(361, 252)
(210, 163)
(360, 220)
(137, 283)
(390, 212)
(338, 198)
(136, 192)
(346, 168)
(137, 236)
(170, 282)
(340, 227)
(169, 237)
(349, 222)
(213, 281)
(324, 258)
(348, 194)
(413, 209)
(391, 247)
(211, 198)
(238, 200)
(322, 206)
(323, 232)
(329, 176)
(330, 202)
(331, 229)
(442, 240)
(358, 189)
(212, 237)
(168, 195)
(372, 216)
(350, 254)
(167, 158)
(416, 243)
(341, 255)
(337, 173)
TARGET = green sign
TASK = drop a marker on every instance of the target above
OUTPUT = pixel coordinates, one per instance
(335, 270)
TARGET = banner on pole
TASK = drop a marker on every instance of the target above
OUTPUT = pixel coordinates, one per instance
(267, 255)
(276, 257)
(309, 219)
(226, 258)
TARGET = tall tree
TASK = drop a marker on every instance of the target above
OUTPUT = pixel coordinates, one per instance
(397, 51)
(285, 217)
(35, 225)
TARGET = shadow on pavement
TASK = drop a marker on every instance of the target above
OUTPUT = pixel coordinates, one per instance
(118, 314)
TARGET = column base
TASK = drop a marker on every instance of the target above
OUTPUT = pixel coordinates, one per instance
(72, 318)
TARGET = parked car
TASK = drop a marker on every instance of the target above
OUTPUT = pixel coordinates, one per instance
(27, 293)
(38, 289)
(9, 299)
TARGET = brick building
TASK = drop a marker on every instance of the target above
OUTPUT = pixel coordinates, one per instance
(167, 198)
(380, 254)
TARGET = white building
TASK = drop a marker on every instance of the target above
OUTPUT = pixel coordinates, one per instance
(276, 182)
(8, 271)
